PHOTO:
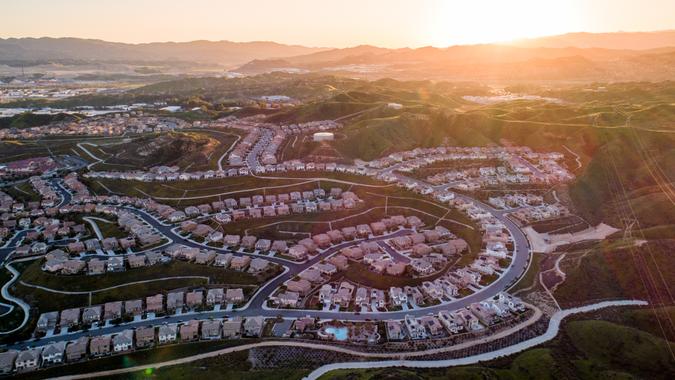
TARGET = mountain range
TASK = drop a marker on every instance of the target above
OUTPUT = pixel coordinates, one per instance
(618, 56)
(221, 52)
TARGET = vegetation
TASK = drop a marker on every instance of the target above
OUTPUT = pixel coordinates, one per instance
(46, 300)
(141, 357)
(584, 350)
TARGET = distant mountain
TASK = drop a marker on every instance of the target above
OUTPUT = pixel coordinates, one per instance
(498, 62)
(618, 40)
(220, 52)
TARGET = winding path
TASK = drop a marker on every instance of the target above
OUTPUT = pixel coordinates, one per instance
(85, 150)
(23, 305)
(83, 292)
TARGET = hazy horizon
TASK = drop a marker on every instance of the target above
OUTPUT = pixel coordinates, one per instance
(302, 22)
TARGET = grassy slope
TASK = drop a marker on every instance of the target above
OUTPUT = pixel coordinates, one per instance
(45, 301)
(586, 350)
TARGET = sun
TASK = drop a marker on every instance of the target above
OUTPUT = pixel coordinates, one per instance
(486, 21)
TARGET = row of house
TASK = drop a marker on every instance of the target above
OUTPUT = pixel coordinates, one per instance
(445, 323)
(128, 340)
(173, 302)
(103, 125)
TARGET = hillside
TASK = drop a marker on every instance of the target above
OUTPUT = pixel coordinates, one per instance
(591, 57)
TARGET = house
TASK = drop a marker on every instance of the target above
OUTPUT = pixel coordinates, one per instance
(363, 230)
(414, 222)
(189, 331)
(53, 353)
(369, 247)
(298, 252)
(421, 266)
(421, 250)
(326, 268)
(378, 228)
(235, 295)
(222, 260)
(322, 240)
(395, 268)
(258, 265)
(194, 298)
(77, 350)
(353, 253)
(415, 329)
(343, 296)
(432, 325)
(431, 236)
(70, 317)
(110, 244)
(348, 233)
(175, 301)
(240, 263)
(91, 314)
(73, 266)
(432, 290)
(76, 247)
(395, 330)
(339, 261)
(232, 327)
(115, 264)
(263, 245)
(309, 244)
(167, 333)
(99, 345)
(47, 321)
(28, 359)
(112, 310)
(145, 336)
(361, 298)
(301, 286)
(335, 236)
(253, 326)
(215, 296)
(402, 243)
(205, 257)
(397, 296)
(248, 242)
(232, 240)
(211, 329)
(154, 304)
(136, 261)
(7, 360)
(279, 246)
(288, 299)
(133, 307)
(123, 341)
(326, 294)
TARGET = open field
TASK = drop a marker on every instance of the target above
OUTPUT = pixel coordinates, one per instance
(187, 149)
(141, 357)
(609, 273)
(360, 274)
(585, 349)
(46, 300)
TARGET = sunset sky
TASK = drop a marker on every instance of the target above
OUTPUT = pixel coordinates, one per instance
(386, 23)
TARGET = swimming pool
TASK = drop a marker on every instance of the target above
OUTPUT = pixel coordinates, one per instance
(340, 333)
